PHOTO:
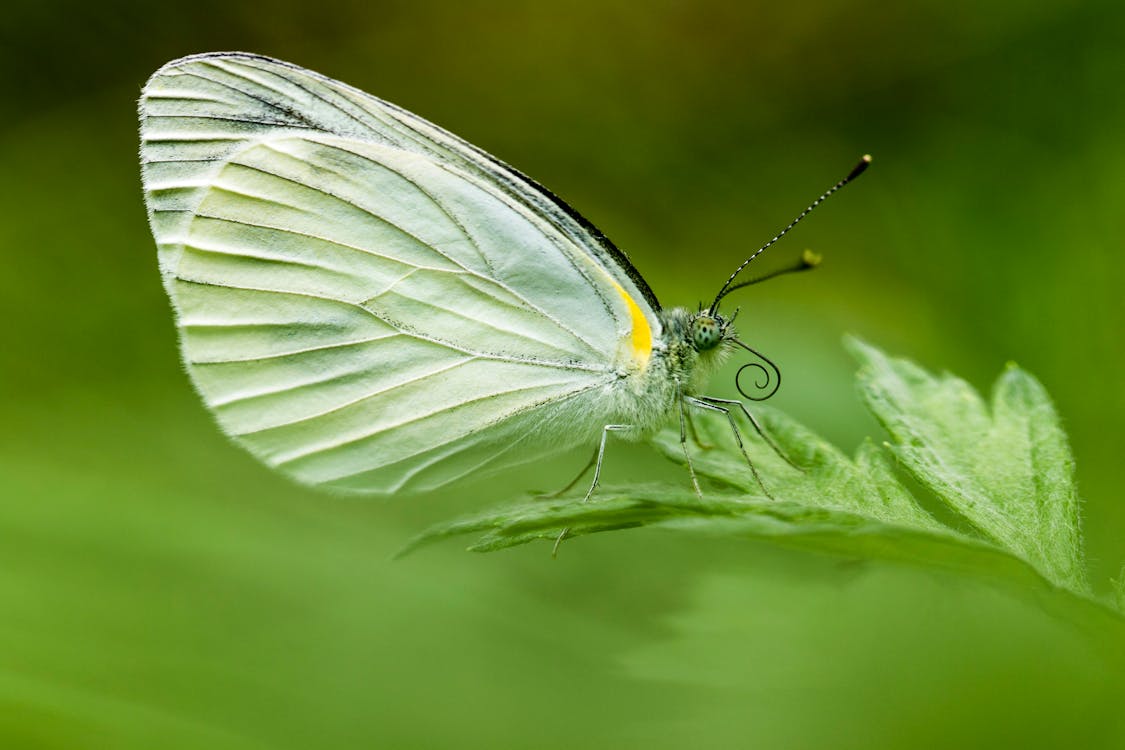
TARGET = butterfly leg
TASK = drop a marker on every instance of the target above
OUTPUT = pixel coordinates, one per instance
(687, 455)
(599, 456)
(705, 404)
(693, 432)
(573, 482)
(757, 427)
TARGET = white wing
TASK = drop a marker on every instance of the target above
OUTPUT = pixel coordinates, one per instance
(364, 300)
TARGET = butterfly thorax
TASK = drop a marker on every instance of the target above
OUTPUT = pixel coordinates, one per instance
(689, 349)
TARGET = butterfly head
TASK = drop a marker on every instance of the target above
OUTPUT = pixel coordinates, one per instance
(712, 336)
(708, 331)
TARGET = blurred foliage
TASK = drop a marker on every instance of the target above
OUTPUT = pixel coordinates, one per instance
(161, 589)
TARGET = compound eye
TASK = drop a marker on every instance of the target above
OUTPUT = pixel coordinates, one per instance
(706, 333)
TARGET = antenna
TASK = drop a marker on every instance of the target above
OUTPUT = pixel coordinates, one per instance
(727, 288)
(807, 262)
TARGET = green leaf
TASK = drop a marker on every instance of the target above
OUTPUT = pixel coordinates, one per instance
(790, 523)
(865, 486)
(1006, 468)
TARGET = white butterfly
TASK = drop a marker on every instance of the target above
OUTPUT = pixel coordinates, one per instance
(369, 303)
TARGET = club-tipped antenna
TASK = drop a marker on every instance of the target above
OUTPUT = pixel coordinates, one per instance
(727, 288)
(807, 262)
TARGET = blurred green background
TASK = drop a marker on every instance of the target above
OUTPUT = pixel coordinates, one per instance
(158, 588)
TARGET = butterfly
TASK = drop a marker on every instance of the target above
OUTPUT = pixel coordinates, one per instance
(366, 302)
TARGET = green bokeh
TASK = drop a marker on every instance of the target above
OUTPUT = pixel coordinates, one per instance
(158, 588)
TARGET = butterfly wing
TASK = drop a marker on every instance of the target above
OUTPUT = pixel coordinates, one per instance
(365, 301)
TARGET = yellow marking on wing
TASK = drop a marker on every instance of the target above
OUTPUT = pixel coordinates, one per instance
(641, 338)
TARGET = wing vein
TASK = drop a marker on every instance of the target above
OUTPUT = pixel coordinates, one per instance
(293, 352)
(493, 279)
(314, 450)
(492, 456)
(405, 330)
(227, 118)
(339, 407)
(294, 82)
(530, 306)
(273, 105)
(382, 219)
